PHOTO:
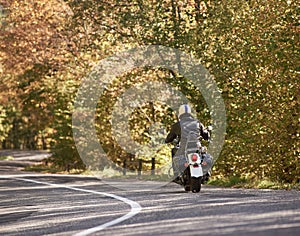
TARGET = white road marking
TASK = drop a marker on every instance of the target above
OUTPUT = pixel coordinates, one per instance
(135, 207)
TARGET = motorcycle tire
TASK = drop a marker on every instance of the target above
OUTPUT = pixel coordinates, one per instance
(196, 184)
(187, 188)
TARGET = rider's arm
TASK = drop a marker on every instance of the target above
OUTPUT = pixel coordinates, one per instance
(170, 138)
(174, 133)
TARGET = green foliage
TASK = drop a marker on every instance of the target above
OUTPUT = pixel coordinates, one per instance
(260, 88)
(251, 48)
(5, 124)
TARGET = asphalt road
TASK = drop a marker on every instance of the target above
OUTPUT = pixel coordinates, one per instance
(74, 205)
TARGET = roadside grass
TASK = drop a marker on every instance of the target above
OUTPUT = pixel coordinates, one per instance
(241, 182)
(219, 181)
(227, 182)
(6, 158)
(50, 169)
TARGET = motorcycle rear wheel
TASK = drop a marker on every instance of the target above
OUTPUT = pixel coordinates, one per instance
(196, 184)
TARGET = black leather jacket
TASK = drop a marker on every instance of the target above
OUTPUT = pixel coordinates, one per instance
(175, 132)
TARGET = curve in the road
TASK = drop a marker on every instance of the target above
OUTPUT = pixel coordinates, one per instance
(135, 207)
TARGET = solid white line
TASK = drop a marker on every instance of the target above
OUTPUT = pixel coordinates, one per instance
(47, 175)
(135, 207)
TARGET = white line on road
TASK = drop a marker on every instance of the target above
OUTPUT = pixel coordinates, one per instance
(135, 207)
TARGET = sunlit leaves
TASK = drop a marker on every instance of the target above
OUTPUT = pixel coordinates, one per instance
(251, 48)
(33, 34)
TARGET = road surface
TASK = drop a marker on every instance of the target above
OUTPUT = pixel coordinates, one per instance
(34, 204)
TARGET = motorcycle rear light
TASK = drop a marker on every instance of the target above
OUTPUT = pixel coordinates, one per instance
(194, 157)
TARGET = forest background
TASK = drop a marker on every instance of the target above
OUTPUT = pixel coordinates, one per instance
(251, 47)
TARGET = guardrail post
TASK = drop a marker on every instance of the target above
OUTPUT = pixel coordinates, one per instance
(124, 167)
(140, 167)
(153, 166)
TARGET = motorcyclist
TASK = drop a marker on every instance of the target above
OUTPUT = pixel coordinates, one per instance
(179, 132)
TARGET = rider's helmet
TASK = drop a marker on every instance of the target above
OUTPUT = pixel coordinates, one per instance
(184, 109)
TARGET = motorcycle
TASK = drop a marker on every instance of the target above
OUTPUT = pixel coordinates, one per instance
(189, 168)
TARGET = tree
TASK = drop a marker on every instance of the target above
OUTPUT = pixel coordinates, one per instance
(249, 46)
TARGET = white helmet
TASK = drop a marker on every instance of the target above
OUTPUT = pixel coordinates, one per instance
(184, 109)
